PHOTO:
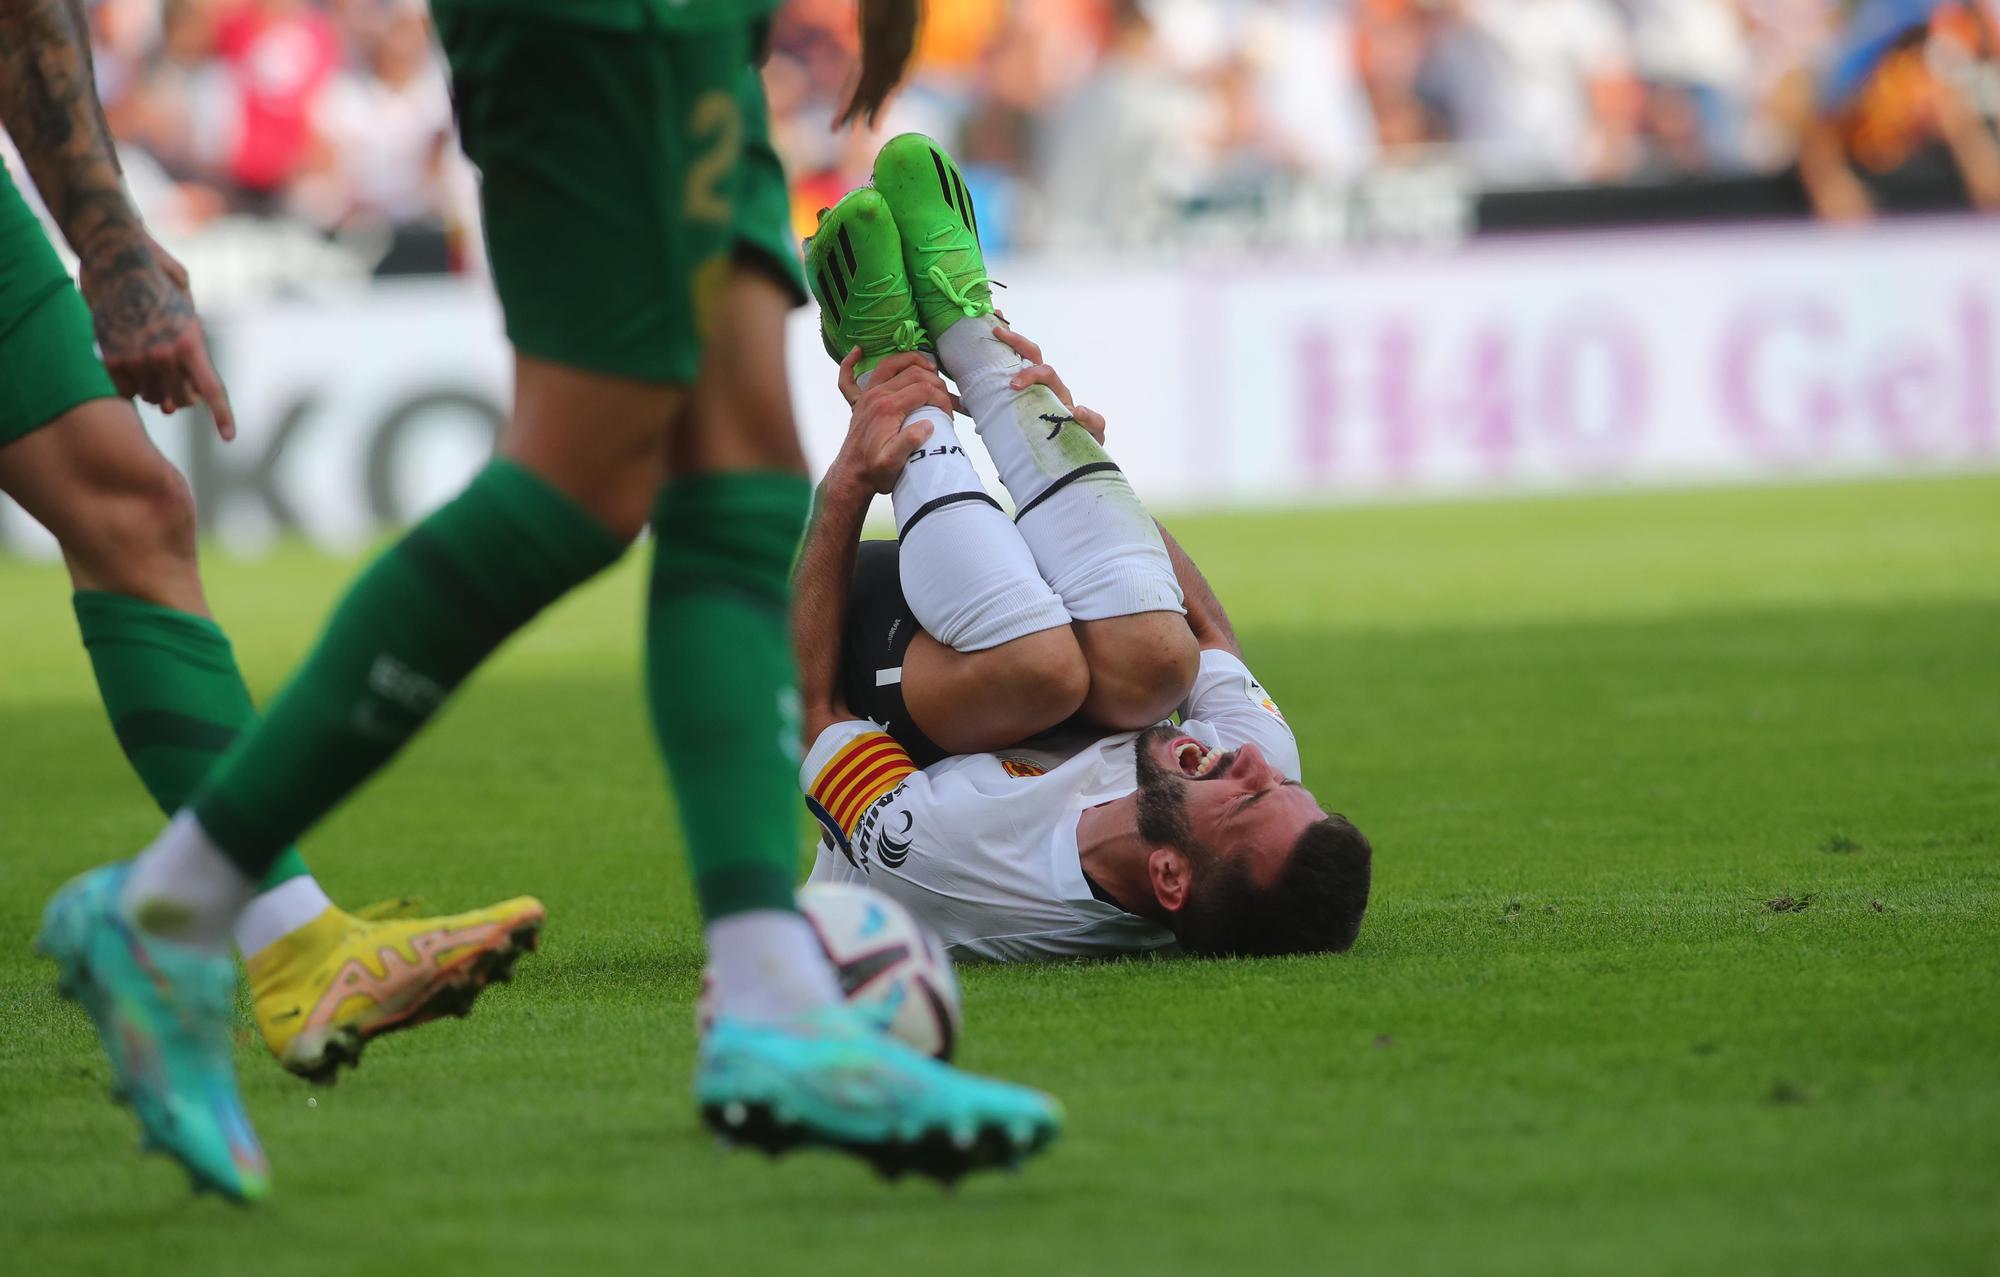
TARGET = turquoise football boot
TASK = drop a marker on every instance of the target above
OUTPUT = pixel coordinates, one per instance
(832, 1080)
(164, 1012)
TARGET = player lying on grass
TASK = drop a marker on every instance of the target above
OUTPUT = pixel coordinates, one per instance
(972, 633)
(74, 455)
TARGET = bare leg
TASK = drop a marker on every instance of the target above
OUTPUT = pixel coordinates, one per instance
(123, 516)
(597, 439)
(974, 702)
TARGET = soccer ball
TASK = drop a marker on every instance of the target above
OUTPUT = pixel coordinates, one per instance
(891, 967)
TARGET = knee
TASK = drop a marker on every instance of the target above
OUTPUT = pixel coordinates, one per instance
(1043, 677)
(141, 530)
(1145, 675)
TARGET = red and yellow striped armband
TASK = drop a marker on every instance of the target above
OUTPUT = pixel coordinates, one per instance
(859, 773)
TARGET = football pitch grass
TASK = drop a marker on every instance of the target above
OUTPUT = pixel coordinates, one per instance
(1683, 953)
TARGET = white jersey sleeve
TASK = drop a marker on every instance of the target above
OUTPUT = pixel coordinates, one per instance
(1228, 697)
(853, 771)
(982, 847)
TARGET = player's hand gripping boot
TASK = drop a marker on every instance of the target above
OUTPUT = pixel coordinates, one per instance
(164, 1013)
(322, 992)
(833, 1080)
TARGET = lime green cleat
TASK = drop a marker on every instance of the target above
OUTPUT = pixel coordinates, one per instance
(854, 263)
(927, 194)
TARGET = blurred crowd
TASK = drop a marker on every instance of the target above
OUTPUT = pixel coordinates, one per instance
(336, 114)
(1087, 123)
(1094, 122)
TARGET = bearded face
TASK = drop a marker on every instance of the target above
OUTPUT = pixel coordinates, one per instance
(1163, 816)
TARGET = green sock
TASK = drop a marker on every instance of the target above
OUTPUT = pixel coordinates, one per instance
(720, 681)
(417, 622)
(175, 698)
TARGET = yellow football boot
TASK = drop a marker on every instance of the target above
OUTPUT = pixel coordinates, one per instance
(323, 991)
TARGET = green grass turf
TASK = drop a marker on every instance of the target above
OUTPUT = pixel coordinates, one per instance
(1591, 738)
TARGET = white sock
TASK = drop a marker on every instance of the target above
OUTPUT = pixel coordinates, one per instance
(1013, 422)
(277, 913)
(183, 888)
(1093, 540)
(967, 574)
(768, 966)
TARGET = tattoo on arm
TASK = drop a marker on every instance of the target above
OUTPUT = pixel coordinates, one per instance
(49, 103)
(48, 100)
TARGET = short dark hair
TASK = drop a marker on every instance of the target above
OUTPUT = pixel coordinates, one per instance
(1314, 906)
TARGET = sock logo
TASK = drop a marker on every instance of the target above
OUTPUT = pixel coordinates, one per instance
(398, 684)
(942, 450)
(1056, 422)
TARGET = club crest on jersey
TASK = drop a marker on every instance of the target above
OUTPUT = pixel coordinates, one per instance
(895, 849)
(1264, 701)
(1021, 768)
(882, 835)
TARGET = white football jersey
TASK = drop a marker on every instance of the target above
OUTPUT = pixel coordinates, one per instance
(982, 847)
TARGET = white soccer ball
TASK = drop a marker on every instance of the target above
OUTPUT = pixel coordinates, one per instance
(890, 966)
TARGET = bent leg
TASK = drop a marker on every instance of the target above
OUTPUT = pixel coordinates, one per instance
(1092, 538)
(937, 701)
(602, 305)
(996, 662)
(551, 512)
(1142, 667)
(126, 524)
(977, 702)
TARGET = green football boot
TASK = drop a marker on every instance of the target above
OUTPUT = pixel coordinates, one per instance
(933, 210)
(854, 265)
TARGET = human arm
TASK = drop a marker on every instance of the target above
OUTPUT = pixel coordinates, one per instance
(820, 581)
(1212, 630)
(878, 442)
(1971, 144)
(146, 325)
(1831, 186)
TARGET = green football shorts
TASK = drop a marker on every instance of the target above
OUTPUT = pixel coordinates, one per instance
(48, 352)
(764, 201)
(615, 168)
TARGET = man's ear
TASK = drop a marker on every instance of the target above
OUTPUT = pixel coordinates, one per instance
(1171, 874)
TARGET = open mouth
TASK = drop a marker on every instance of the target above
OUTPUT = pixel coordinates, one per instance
(1195, 759)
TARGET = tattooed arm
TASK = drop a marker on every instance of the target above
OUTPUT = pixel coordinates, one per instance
(138, 294)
